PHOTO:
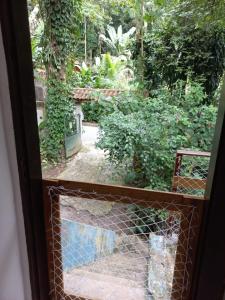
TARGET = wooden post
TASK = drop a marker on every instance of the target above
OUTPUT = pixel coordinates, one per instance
(179, 277)
(53, 236)
(177, 170)
(187, 247)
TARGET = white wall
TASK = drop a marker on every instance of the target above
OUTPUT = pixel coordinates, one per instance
(14, 272)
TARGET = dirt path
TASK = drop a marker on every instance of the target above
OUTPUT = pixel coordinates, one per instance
(90, 164)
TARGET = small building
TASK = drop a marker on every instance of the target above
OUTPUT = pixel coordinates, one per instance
(73, 140)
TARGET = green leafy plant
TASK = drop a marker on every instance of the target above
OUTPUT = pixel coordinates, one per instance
(36, 32)
(95, 110)
(61, 19)
(107, 72)
(61, 27)
(145, 141)
(117, 40)
(184, 51)
(59, 109)
(97, 15)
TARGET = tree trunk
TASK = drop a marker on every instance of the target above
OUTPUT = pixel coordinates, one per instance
(85, 40)
(139, 38)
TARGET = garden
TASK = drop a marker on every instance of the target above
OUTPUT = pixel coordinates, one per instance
(165, 57)
(127, 86)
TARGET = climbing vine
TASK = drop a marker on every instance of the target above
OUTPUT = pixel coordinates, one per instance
(61, 20)
(59, 108)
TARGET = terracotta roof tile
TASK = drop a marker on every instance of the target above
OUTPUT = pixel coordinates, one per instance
(83, 94)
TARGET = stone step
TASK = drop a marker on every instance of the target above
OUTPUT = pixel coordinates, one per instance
(102, 287)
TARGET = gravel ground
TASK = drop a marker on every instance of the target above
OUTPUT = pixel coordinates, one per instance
(90, 164)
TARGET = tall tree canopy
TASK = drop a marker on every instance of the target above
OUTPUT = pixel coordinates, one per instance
(186, 42)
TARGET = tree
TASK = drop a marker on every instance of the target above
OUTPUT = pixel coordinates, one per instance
(139, 18)
(36, 32)
(97, 15)
(94, 20)
(203, 12)
(183, 53)
(61, 20)
(181, 45)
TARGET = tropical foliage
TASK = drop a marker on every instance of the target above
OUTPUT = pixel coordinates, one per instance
(107, 72)
(61, 23)
(167, 56)
(127, 102)
(183, 52)
(144, 140)
(117, 40)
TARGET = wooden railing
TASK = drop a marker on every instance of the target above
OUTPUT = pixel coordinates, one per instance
(187, 208)
(190, 183)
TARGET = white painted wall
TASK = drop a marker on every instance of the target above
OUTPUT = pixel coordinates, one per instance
(40, 115)
(14, 272)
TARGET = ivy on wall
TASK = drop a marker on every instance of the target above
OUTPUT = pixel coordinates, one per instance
(59, 107)
(62, 20)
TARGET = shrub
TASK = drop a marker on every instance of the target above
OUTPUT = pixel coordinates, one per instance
(126, 102)
(145, 141)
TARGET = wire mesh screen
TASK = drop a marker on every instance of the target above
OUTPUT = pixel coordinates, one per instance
(191, 172)
(110, 247)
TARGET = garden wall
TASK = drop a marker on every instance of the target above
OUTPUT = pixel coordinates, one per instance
(83, 244)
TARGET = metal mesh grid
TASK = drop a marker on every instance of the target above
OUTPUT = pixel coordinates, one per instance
(191, 175)
(120, 248)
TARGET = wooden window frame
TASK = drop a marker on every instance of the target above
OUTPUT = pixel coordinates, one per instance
(16, 40)
(209, 281)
